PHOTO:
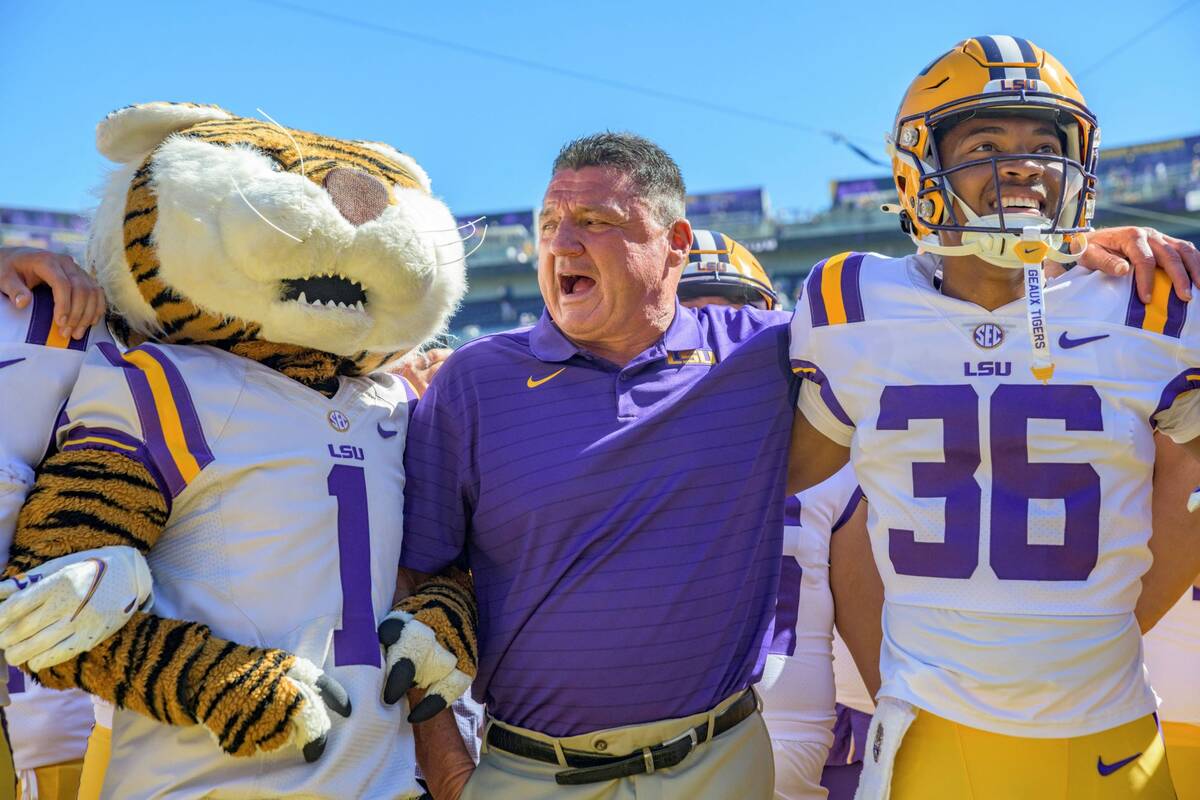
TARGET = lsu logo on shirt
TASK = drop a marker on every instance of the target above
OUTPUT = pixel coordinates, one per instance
(684, 358)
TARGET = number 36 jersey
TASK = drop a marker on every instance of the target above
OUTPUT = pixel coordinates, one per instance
(1009, 518)
(284, 531)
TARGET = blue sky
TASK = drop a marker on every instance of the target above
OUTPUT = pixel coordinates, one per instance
(487, 128)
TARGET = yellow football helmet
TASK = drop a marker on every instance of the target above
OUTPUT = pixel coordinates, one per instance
(994, 75)
(717, 265)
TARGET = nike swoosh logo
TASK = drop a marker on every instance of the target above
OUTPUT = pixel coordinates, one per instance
(101, 568)
(1066, 342)
(24, 584)
(1109, 769)
(532, 384)
(384, 432)
(10, 362)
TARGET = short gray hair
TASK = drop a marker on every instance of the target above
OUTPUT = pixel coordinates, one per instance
(654, 173)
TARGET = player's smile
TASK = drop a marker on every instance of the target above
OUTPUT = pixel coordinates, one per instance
(1020, 200)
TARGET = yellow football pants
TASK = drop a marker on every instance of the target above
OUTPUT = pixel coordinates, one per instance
(54, 781)
(8, 773)
(95, 762)
(1183, 754)
(942, 760)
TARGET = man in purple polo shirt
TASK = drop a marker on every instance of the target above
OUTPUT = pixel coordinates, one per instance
(615, 477)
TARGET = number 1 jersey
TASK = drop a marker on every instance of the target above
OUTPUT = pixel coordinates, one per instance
(1009, 518)
(284, 531)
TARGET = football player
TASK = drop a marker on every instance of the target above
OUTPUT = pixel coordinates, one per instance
(43, 335)
(797, 686)
(1008, 455)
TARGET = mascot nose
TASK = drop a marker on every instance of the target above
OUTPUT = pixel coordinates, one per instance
(359, 197)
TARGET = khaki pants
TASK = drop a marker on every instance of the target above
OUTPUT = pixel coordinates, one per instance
(737, 764)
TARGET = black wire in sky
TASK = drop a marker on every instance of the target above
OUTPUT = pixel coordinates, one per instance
(1129, 41)
(526, 63)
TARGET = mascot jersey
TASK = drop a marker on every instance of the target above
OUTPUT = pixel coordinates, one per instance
(1002, 509)
(292, 545)
(38, 365)
(797, 684)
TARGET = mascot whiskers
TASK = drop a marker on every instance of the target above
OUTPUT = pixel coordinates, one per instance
(249, 447)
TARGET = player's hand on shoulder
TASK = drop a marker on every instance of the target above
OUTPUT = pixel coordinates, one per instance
(68, 605)
(1144, 250)
(429, 643)
(78, 299)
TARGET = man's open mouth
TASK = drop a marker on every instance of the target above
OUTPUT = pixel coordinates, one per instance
(1021, 204)
(574, 284)
(326, 291)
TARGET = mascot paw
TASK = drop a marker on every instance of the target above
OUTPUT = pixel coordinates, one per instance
(415, 657)
(69, 605)
(321, 693)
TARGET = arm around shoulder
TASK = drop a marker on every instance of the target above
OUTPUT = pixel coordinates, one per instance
(1175, 539)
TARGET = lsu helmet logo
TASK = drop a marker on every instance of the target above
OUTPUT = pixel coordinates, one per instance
(988, 335)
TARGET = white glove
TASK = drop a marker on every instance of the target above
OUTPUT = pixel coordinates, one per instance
(69, 605)
(416, 658)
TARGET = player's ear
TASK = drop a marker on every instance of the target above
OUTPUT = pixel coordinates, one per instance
(681, 243)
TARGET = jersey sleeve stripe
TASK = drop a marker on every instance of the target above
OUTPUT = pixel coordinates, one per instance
(831, 290)
(811, 372)
(1165, 313)
(99, 438)
(1186, 381)
(176, 413)
(848, 511)
(42, 330)
(816, 305)
(152, 432)
(850, 288)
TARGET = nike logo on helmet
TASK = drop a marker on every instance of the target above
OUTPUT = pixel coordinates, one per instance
(532, 384)
(384, 432)
(1066, 342)
(1109, 769)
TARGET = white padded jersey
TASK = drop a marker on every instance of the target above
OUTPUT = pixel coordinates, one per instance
(284, 531)
(1002, 510)
(797, 685)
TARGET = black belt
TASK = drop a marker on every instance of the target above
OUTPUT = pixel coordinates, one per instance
(589, 767)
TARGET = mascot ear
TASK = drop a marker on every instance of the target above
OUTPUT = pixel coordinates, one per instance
(133, 131)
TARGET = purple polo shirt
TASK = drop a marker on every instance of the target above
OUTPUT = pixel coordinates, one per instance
(624, 525)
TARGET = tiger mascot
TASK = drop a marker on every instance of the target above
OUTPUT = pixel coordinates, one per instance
(247, 445)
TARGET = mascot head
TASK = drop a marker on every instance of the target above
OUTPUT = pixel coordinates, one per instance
(316, 256)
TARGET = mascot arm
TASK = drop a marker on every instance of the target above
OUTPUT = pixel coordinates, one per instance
(430, 642)
(251, 699)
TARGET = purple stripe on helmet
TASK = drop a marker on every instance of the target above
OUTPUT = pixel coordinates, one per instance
(818, 377)
(1177, 386)
(143, 400)
(991, 52)
(1135, 311)
(41, 316)
(139, 453)
(848, 511)
(791, 510)
(193, 432)
(1028, 55)
(816, 304)
(851, 295)
(1176, 315)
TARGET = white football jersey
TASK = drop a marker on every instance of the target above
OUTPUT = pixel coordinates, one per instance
(797, 684)
(1173, 660)
(45, 726)
(38, 366)
(284, 531)
(1002, 510)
